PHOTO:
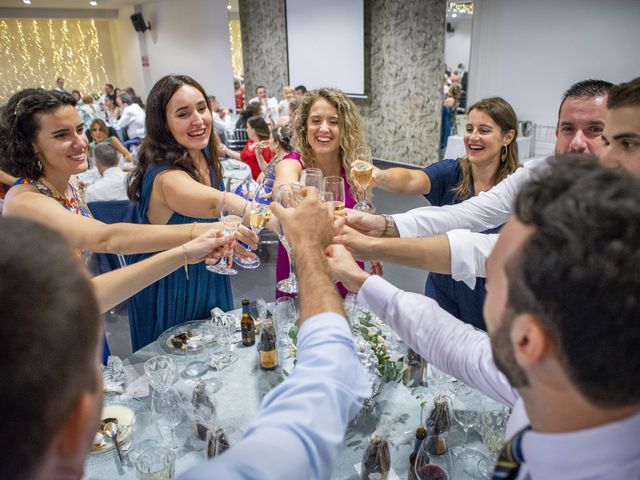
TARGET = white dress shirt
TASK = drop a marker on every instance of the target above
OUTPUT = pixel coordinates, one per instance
(221, 125)
(469, 253)
(132, 119)
(486, 210)
(270, 110)
(611, 451)
(302, 421)
(112, 186)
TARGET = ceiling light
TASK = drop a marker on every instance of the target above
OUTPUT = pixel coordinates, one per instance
(454, 15)
(228, 7)
(93, 3)
(26, 2)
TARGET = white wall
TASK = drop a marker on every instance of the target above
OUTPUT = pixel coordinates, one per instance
(189, 37)
(530, 52)
(128, 56)
(457, 45)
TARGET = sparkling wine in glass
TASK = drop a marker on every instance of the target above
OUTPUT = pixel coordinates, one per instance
(492, 428)
(288, 195)
(259, 216)
(232, 212)
(361, 174)
(312, 177)
(335, 186)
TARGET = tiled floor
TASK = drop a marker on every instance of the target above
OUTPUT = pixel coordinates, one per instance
(257, 283)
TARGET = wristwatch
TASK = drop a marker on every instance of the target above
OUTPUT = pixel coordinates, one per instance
(389, 227)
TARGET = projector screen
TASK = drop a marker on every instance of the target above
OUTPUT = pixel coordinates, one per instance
(326, 44)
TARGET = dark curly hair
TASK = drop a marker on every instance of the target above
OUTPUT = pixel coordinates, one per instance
(578, 273)
(19, 127)
(159, 147)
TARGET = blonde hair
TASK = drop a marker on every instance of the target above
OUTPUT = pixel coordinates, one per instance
(352, 135)
(288, 89)
(505, 117)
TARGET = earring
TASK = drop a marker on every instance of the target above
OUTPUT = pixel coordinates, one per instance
(38, 162)
(503, 154)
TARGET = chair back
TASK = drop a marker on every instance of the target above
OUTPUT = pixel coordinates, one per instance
(238, 140)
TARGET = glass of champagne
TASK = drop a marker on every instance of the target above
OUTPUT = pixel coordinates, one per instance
(361, 173)
(312, 177)
(493, 425)
(335, 186)
(259, 216)
(288, 195)
(232, 212)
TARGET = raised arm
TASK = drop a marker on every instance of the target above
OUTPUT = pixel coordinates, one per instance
(88, 233)
(405, 181)
(7, 179)
(120, 148)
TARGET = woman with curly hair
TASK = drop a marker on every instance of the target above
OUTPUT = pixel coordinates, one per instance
(327, 130)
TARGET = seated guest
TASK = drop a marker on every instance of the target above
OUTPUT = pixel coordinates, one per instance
(269, 105)
(258, 133)
(60, 84)
(280, 146)
(302, 420)
(132, 93)
(283, 107)
(84, 110)
(100, 134)
(491, 155)
(132, 119)
(562, 313)
(253, 109)
(113, 184)
(300, 90)
(111, 111)
(221, 118)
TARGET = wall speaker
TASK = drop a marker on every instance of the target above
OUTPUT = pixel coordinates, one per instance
(138, 23)
(450, 28)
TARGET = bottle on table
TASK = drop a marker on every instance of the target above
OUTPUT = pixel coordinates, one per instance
(247, 326)
(267, 350)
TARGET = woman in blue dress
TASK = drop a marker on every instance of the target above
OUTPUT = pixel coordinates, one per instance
(491, 155)
(177, 181)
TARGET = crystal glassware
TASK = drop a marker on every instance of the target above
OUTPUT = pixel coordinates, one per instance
(465, 411)
(312, 177)
(492, 428)
(169, 409)
(335, 185)
(156, 463)
(161, 371)
(285, 316)
(431, 465)
(361, 174)
(288, 195)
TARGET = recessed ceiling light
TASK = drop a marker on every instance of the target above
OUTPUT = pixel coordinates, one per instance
(93, 3)
(454, 15)
(228, 7)
(26, 2)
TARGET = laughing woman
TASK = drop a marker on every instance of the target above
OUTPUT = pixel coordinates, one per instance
(491, 155)
(177, 181)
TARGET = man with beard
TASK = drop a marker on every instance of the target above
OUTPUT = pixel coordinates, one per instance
(562, 309)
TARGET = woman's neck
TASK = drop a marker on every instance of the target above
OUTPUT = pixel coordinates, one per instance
(59, 181)
(329, 164)
(483, 175)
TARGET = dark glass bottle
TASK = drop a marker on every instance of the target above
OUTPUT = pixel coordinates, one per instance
(267, 351)
(247, 326)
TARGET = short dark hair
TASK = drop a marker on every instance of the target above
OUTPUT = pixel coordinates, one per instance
(260, 126)
(260, 86)
(586, 88)
(127, 99)
(302, 88)
(625, 95)
(108, 85)
(578, 273)
(19, 127)
(106, 155)
(51, 327)
(159, 147)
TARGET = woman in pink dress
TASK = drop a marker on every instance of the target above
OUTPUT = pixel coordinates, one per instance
(327, 129)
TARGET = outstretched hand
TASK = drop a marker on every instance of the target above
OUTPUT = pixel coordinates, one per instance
(212, 245)
(344, 268)
(366, 223)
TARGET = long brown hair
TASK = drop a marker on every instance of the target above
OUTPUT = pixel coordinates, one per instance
(352, 133)
(159, 147)
(505, 117)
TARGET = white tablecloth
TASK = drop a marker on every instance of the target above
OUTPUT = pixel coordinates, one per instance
(455, 147)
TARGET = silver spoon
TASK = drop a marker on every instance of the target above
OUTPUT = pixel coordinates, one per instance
(111, 430)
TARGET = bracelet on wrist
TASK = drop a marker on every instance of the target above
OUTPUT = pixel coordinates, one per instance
(186, 262)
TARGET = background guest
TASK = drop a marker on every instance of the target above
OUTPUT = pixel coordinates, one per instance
(258, 133)
(100, 134)
(253, 109)
(132, 119)
(269, 105)
(300, 90)
(113, 184)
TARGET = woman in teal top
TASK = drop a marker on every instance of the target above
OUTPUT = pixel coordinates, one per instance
(177, 181)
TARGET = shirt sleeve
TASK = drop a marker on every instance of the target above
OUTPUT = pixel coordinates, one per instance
(302, 421)
(469, 253)
(442, 178)
(451, 345)
(482, 212)
(125, 119)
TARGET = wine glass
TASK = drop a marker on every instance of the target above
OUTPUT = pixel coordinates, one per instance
(232, 212)
(335, 185)
(361, 173)
(259, 216)
(285, 316)
(492, 428)
(288, 195)
(224, 331)
(311, 177)
(161, 371)
(169, 408)
(431, 462)
(465, 411)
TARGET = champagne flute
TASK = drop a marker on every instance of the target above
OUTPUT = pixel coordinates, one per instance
(464, 409)
(431, 466)
(259, 215)
(288, 195)
(312, 177)
(361, 173)
(168, 406)
(285, 316)
(231, 218)
(335, 185)
(493, 425)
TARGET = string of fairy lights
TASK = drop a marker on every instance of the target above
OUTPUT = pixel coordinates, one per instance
(236, 48)
(33, 53)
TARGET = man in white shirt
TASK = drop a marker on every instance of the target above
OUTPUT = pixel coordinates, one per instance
(113, 184)
(108, 92)
(562, 313)
(270, 110)
(222, 121)
(133, 118)
(60, 84)
(301, 423)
